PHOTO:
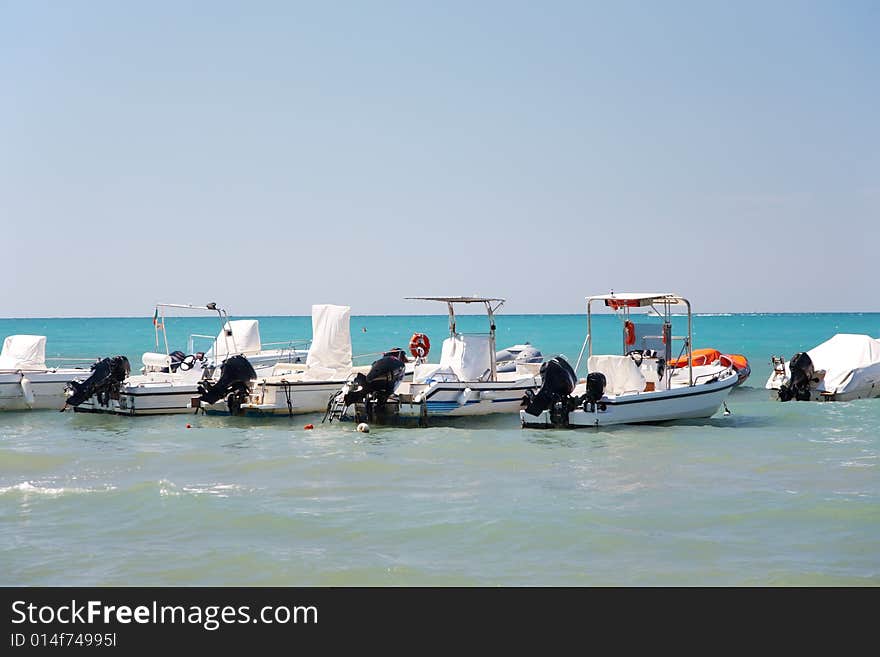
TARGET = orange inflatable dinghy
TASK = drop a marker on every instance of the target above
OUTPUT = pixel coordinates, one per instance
(739, 362)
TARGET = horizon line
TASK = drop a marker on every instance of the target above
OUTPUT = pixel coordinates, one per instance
(552, 314)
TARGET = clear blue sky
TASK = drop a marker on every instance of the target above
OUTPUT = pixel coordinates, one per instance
(271, 155)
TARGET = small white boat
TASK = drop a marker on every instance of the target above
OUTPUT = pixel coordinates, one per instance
(288, 388)
(637, 386)
(27, 382)
(843, 368)
(465, 382)
(169, 381)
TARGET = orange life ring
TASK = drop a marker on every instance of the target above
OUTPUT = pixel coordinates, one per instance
(629, 333)
(419, 345)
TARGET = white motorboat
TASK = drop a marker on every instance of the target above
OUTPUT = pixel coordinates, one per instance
(637, 386)
(465, 382)
(168, 381)
(288, 388)
(27, 382)
(843, 368)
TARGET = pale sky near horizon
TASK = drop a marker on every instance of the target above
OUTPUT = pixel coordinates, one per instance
(272, 155)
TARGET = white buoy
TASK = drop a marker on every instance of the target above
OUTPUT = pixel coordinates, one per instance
(363, 427)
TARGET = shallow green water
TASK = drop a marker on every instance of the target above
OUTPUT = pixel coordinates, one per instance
(779, 494)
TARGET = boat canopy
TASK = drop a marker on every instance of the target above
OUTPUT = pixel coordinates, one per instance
(23, 352)
(841, 355)
(469, 357)
(239, 336)
(457, 299)
(331, 338)
(638, 299)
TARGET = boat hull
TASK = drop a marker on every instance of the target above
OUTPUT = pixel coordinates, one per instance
(469, 399)
(422, 402)
(43, 390)
(684, 403)
(272, 399)
(148, 399)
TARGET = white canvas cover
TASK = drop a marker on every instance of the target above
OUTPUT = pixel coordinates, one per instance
(245, 339)
(330, 350)
(469, 357)
(23, 352)
(843, 357)
(622, 375)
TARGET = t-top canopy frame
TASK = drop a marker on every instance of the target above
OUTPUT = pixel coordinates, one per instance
(621, 304)
(492, 304)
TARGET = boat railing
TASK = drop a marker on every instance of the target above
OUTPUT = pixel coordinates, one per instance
(285, 346)
(71, 361)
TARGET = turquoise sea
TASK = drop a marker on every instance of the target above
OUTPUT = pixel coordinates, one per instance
(774, 494)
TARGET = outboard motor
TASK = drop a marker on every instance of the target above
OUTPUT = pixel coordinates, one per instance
(235, 375)
(379, 383)
(802, 374)
(371, 390)
(595, 387)
(107, 375)
(558, 381)
(398, 353)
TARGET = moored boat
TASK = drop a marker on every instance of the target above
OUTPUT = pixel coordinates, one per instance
(466, 381)
(27, 382)
(287, 388)
(168, 381)
(843, 368)
(637, 386)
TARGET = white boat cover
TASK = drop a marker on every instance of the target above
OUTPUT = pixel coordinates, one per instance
(469, 357)
(622, 375)
(245, 339)
(842, 357)
(331, 340)
(23, 352)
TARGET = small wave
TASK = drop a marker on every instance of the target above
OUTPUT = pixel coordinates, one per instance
(217, 490)
(170, 489)
(27, 488)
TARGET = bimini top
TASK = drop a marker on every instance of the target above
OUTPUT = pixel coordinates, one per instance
(638, 299)
(457, 299)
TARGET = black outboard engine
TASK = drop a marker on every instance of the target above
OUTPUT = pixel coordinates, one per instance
(802, 374)
(371, 390)
(235, 375)
(106, 377)
(595, 387)
(379, 383)
(398, 353)
(558, 382)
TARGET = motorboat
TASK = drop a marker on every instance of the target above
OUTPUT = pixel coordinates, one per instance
(637, 386)
(843, 368)
(168, 381)
(466, 381)
(27, 382)
(288, 388)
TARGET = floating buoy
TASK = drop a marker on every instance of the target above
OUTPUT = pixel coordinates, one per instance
(309, 427)
(363, 427)
(189, 426)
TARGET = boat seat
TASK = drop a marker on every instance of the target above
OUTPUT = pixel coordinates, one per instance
(622, 375)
